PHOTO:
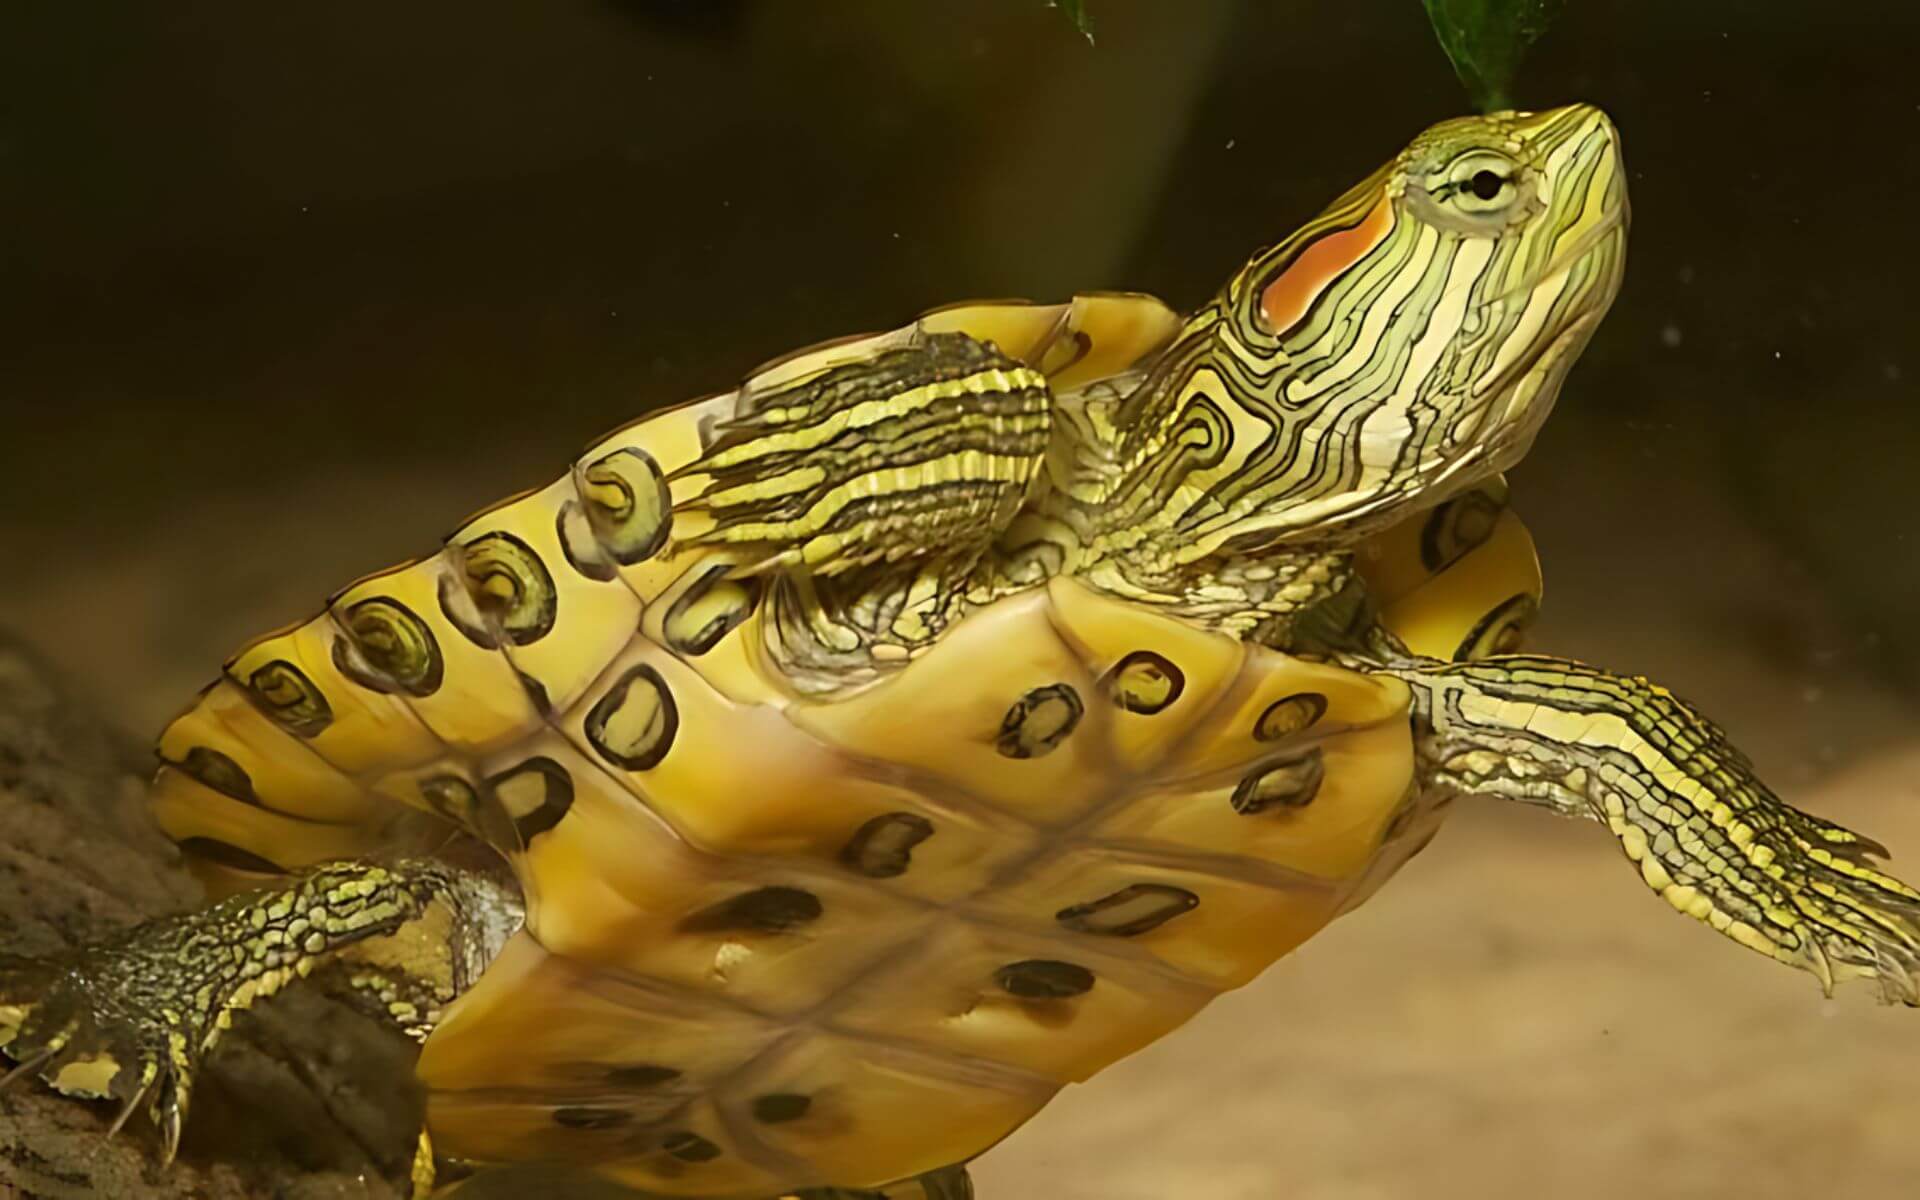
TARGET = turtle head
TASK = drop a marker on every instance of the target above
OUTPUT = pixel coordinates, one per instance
(1403, 346)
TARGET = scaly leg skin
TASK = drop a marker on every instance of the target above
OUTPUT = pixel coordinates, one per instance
(1705, 832)
(132, 1017)
(410, 1002)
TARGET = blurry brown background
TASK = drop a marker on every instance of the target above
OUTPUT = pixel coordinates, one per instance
(289, 288)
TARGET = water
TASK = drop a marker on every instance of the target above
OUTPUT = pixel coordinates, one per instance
(291, 291)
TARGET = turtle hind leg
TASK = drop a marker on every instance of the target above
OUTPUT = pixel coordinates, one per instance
(407, 977)
(131, 1018)
(1687, 808)
(408, 1001)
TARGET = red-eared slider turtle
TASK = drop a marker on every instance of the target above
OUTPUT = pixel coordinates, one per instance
(797, 793)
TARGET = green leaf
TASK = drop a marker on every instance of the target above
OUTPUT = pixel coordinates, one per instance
(1486, 39)
(1076, 12)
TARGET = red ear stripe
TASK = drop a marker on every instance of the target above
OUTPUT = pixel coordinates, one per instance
(1289, 296)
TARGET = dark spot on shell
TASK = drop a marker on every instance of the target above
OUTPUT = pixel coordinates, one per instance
(1500, 630)
(1065, 353)
(1044, 979)
(778, 1107)
(286, 695)
(1288, 716)
(883, 847)
(348, 660)
(1133, 910)
(586, 1117)
(690, 1147)
(641, 1075)
(1039, 721)
(1456, 527)
(628, 503)
(510, 584)
(711, 608)
(227, 855)
(1145, 683)
(220, 773)
(536, 794)
(633, 725)
(1289, 784)
(764, 910)
(388, 648)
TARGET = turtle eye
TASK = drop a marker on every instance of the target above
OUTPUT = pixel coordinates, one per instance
(1481, 183)
(1479, 192)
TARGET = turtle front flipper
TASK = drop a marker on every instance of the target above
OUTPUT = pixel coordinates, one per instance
(131, 1018)
(1706, 833)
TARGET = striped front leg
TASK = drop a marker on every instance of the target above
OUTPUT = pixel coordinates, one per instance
(1706, 834)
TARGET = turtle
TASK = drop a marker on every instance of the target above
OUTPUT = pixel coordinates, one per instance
(817, 777)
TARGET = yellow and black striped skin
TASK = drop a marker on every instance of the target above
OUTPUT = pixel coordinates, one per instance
(1402, 345)
(1705, 832)
(942, 715)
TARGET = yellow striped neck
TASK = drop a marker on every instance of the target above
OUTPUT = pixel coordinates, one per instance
(1401, 347)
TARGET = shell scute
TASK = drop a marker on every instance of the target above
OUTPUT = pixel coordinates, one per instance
(187, 811)
(555, 624)
(953, 1002)
(1158, 675)
(454, 791)
(477, 703)
(601, 1071)
(919, 719)
(280, 774)
(624, 478)
(1460, 581)
(1363, 772)
(615, 886)
(1110, 333)
(295, 680)
(738, 778)
(1214, 928)
(1244, 726)
(1094, 336)
(1020, 329)
(868, 1105)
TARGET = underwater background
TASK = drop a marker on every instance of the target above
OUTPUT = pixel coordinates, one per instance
(291, 288)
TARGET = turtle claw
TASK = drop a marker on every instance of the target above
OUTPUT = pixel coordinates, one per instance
(63, 1021)
(27, 1067)
(126, 1110)
(170, 1116)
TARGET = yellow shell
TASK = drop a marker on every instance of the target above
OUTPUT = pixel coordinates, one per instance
(774, 941)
